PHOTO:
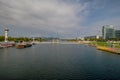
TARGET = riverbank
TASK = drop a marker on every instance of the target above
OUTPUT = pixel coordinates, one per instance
(108, 49)
(107, 46)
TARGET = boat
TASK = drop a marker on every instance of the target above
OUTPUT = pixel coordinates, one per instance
(20, 46)
(6, 44)
(28, 45)
(23, 45)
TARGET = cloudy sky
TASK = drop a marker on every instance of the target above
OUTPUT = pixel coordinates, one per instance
(58, 18)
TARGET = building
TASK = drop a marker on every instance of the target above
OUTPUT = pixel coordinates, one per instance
(92, 37)
(108, 32)
(117, 34)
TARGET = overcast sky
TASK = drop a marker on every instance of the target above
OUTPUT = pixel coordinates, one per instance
(58, 18)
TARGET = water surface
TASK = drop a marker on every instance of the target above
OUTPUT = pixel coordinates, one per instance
(58, 62)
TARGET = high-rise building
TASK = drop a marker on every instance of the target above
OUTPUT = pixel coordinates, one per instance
(117, 34)
(108, 32)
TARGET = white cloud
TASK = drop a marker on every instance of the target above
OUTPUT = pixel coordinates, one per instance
(69, 18)
(47, 15)
(96, 28)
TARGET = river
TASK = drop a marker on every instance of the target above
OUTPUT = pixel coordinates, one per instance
(47, 61)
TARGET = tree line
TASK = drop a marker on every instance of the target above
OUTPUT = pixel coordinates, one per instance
(16, 39)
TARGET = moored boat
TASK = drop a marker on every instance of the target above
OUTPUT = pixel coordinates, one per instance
(6, 44)
(23, 45)
(20, 46)
(28, 45)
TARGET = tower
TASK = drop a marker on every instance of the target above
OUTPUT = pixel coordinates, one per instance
(6, 34)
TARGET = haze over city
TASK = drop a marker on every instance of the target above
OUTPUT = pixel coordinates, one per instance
(58, 18)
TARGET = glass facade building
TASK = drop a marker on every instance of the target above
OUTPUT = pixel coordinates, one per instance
(117, 34)
(108, 32)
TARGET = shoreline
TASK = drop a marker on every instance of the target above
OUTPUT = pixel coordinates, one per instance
(109, 49)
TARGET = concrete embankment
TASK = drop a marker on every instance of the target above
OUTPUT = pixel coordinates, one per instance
(109, 49)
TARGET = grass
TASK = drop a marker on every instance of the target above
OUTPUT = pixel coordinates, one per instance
(106, 44)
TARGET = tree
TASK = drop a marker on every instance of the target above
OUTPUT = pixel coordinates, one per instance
(2, 38)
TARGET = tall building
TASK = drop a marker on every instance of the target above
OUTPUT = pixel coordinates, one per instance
(108, 32)
(117, 34)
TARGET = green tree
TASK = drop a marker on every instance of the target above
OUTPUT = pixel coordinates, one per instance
(2, 38)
